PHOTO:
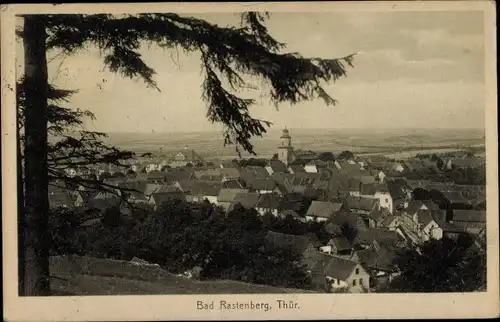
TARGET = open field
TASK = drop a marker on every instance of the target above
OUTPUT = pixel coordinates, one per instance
(93, 276)
(210, 144)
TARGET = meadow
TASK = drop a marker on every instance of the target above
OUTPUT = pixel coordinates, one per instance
(78, 275)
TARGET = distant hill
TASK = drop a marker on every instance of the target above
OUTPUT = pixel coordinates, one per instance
(210, 144)
(93, 276)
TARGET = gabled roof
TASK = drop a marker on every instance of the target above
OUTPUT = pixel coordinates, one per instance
(228, 164)
(174, 176)
(340, 243)
(230, 172)
(395, 190)
(277, 166)
(469, 215)
(317, 163)
(198, 187)
(424, 217)
(160, 198)
(278, 240)
(166, 188)
(156, 175)
(232, 184)
(190, 155)
(228, 195)
(255, 171)
(323, 209)
(454, 196)
(388, 221)
(260, 184)
(296, 168)
(268, 201)
(289, 212)
(304, 190)
(359, 203)
(336, 267)
(292, 201)
(414, 206)
(248, 200)
(382, 236)
(150, 188)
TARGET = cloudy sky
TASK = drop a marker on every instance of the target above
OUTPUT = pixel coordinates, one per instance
(412, 70)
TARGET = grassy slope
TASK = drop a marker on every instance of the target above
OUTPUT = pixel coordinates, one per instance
(93, 276)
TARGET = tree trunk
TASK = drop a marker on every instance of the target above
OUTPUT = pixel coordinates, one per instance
(36, 241)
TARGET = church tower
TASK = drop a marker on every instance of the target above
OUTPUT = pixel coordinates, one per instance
(285, 150)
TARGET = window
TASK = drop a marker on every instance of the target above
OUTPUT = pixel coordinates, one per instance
(360, 281)
(338, 281)
(353, 282)
(357, 271)
(386, 200)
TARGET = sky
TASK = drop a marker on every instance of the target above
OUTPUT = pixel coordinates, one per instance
(411, 70)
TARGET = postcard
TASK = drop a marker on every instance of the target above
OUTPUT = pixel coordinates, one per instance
(249, 161)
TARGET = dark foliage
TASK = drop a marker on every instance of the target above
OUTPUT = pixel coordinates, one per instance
(227, 52)
(440, 266)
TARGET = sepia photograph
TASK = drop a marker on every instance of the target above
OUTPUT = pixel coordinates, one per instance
(268, 161)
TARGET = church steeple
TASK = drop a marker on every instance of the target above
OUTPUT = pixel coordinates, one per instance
(285, 150)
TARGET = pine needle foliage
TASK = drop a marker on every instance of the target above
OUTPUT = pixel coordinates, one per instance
(228, 55)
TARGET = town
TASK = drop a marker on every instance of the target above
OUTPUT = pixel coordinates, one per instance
(364, 209)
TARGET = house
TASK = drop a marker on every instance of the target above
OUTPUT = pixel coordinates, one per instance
(295, 202)
(198, 191)
(429, 228)
(104, 200)
(267, 203)
(226, 197)
(254, 171)
(398, 167)
(339, 274)
(285, 213)
(362, 205)
(229, 164)
(384, 238)
(380, 264)
(159, 198)
(247, 200)
(390, 222)
(375, 218)
(276, 166)
(232, 184)
(156, 177)
(229, 174)
(306, 191)
(421, 226)
(324, 210)
(137, 197)
(296, 168)
(185, 157)
(413, 207)
(314, 165)
(469, 218)
(337, 245)
(261, 185)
